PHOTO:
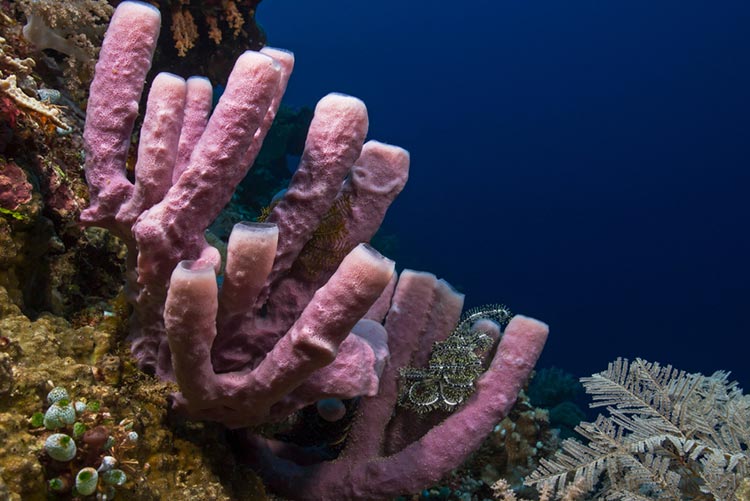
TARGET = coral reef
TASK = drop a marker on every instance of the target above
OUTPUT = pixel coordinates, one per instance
(87, 445)
(520, 440)
(47, 262)
(186, 461)
(73, 28)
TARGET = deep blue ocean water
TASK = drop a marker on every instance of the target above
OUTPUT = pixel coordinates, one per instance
(586, 163)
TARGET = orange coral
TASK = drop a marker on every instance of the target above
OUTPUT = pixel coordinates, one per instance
(184, 30)
(233, 17)
(214, 33)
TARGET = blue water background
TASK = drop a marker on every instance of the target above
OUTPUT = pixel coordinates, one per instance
(586, 162)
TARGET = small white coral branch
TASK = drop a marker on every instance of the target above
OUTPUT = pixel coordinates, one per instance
(9, 87)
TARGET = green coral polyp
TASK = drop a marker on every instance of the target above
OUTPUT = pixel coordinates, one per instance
(68, 473)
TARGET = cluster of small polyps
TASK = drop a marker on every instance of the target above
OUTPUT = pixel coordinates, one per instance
(96, 465)
(279, 334)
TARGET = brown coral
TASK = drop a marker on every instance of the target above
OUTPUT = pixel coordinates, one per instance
(205, 37)
(184, 31)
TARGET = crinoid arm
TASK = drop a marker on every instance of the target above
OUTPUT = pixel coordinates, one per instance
(454, 365)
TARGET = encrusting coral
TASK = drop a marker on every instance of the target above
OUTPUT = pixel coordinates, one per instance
(38, 356)
(47, 261)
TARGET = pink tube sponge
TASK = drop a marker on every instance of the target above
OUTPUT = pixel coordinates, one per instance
(308, 313)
